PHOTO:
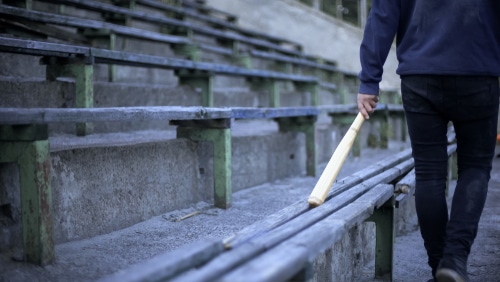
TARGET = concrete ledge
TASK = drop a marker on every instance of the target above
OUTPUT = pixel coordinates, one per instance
(100, 188)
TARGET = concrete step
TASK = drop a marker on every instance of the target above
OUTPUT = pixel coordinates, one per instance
(98, 256)
(104, 182)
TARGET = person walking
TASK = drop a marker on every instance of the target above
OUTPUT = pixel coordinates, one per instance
(448, 55)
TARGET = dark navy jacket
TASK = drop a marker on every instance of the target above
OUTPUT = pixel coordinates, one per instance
(434, 37)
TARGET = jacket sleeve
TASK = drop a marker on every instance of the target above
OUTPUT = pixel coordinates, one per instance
(380, 30)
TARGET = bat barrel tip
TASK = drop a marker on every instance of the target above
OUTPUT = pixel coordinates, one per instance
(314, 201)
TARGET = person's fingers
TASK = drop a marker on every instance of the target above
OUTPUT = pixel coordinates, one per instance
(367, 104)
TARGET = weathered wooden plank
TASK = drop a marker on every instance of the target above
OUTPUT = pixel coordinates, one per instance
(39, 48)
(44, 17)
(216, 49)
(44, 31)
(390, 107)
(250, 112)
(299, 207)
(201, 7)
(30, 47)
(127, 58)
(328, 86)
(72, 115)
(144, 16)
(294, 60)
(286, 259)
(213, 20)
(339, 108)
(266, 238)
(165, 266)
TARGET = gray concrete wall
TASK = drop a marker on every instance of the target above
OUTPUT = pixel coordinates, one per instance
(318, 33)
(97, 190)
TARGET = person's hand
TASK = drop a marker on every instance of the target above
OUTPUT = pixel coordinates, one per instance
(367, 104)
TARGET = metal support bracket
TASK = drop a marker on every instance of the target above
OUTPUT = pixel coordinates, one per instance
(311, 88)
(109, 39)
(307, 125)
(385, 131)
(343, 92)
(270, 86)
(218, 132)
(82, 70)
(385, 234)
(28, 146)
(189, 51)
(202, 82)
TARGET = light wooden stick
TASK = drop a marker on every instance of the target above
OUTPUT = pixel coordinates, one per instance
(320, 191)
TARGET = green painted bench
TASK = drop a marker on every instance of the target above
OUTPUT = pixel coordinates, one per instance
(192, 51)
(24, 140)
(78, 62)
(228, 23)
(231, 41)
(282, 246)
(16, 14)
(200, 7)
(188, 28)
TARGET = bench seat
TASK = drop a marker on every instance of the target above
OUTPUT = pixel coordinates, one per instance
(24, 140)
(284, 244)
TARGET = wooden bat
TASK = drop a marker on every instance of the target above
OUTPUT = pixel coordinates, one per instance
(325, 181)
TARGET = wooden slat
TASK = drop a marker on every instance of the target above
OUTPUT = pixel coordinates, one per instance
(373, 172)
(144, 16)
(43, 17)
(248, 112)
(267, 240)
(216, 49)
(104, 56)
(44, 30)
(282, 262)
(328, 86)
(294, 60)
(165, 266)
(339, 108)
(390, 107)
(200, 5)
(127, 58)
(39, 48)
(264, 240)
(213, 20)
(73, 115)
